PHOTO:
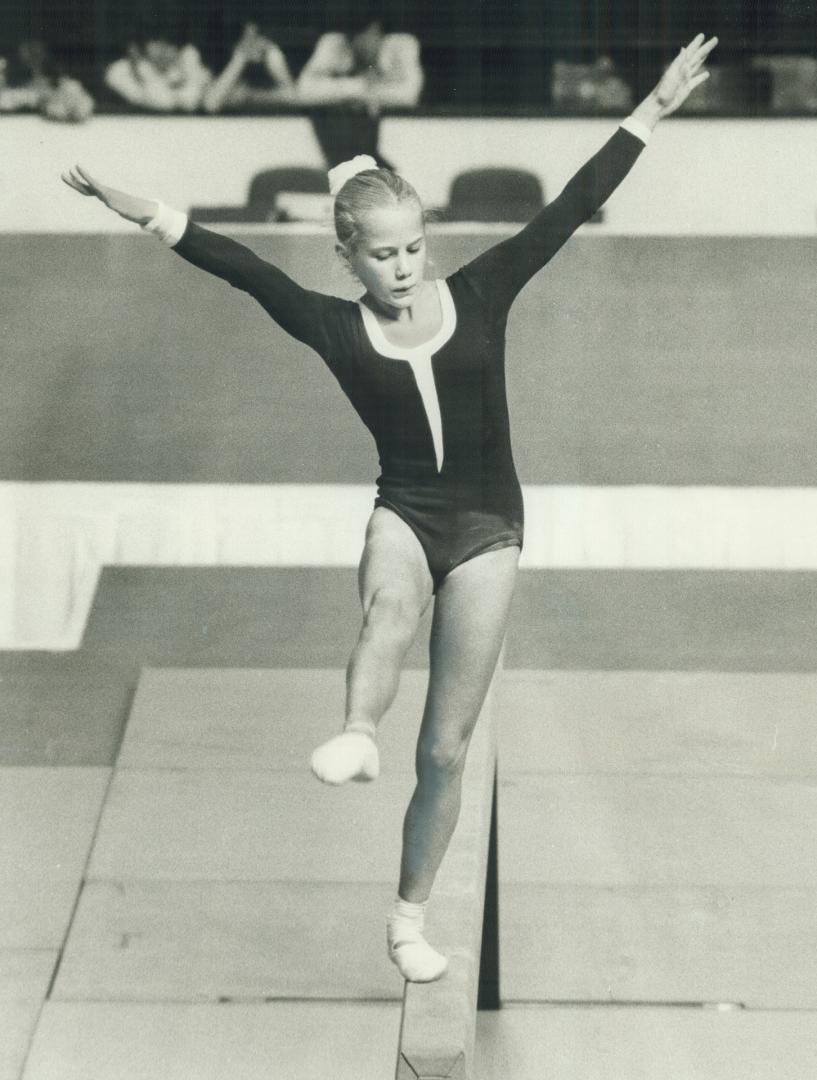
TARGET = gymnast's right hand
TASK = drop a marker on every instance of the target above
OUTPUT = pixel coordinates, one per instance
(130, 207)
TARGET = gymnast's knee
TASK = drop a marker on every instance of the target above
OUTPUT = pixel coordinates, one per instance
(441, 758)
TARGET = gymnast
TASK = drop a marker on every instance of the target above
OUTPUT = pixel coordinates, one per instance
(422, 362)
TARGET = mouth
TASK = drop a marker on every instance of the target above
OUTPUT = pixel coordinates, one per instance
(402, 290)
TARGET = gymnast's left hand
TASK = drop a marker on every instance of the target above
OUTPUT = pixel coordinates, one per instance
(683, 75)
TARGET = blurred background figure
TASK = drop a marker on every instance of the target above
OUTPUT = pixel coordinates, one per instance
(256, 76)
(23, 81)
(354, 73)
(792, 83)
(595, 87)
(33, 82)
(159, 75)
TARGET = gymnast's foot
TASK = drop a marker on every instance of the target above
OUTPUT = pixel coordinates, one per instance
(350, 756)
(408, 949)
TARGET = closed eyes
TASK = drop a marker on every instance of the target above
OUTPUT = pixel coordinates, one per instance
(387, 253)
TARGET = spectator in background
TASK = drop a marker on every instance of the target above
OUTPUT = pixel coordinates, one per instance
(232, 90)
(68, 101)
(589, 88)
(42, 87)
(160, 76)
(24, 89)
(351, 76)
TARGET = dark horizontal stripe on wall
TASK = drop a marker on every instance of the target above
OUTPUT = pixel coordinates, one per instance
(630, 361)
(673, 620)
(226, 617)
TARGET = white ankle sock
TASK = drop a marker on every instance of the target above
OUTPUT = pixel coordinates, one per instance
(366, 726)
(350, 756)
(408, 949)
(409, 909)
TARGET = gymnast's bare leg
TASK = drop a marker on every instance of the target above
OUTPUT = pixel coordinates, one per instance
(395, 589)
(470, 617)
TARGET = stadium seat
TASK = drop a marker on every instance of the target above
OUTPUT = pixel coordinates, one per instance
(494, 194)
(265, 188)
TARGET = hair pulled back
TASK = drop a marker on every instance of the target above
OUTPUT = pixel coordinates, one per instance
(368, 190)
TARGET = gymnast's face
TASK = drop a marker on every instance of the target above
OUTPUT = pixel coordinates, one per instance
(390, 256)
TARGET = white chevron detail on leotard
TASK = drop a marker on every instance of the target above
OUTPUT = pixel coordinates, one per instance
(424, 377)
(419, 358)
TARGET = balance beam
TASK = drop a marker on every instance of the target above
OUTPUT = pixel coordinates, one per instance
(438, 1023)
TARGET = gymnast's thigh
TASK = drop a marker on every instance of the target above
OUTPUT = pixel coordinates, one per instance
(393, 559)
(470, 617)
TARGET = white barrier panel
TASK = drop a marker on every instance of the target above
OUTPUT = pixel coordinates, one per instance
(712, 177)
(55, 537)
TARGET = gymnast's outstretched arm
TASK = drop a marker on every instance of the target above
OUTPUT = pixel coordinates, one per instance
(501, 271)
(297, 310)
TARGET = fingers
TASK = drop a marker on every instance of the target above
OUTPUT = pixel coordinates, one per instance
(69, 180)
(701, 55)
(698, 50)
(75, 181)
(696, 43)
(94, 185)
(679, 59)
(81, 180)
(690, 60)
(100, 190)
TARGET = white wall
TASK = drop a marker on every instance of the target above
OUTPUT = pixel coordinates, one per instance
(698, 176)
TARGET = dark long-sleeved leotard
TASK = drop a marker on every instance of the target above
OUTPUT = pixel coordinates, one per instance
(438, 412)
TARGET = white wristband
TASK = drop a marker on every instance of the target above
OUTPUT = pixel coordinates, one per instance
(637, 127)
(168, 224)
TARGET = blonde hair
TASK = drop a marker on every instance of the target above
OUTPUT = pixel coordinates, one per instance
(368, 190)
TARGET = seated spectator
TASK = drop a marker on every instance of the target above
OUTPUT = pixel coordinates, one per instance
(160, 76)
(25, 91)
(233, 90)
(351, 76)
(368, 68)
(42, 87)
(68, 101)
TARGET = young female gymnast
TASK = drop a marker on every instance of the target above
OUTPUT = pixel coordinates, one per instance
(422, 363)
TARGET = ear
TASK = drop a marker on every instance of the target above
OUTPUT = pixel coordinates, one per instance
(344, 255)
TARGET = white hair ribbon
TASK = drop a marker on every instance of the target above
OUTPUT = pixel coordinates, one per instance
(347, 169)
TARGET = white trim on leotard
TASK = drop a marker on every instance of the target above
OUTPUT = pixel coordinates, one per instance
(419, 357)
(382, 345)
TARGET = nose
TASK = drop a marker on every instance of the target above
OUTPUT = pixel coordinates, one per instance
(402, 269)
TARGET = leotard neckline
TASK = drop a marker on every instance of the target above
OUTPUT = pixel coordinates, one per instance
(381, 344)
